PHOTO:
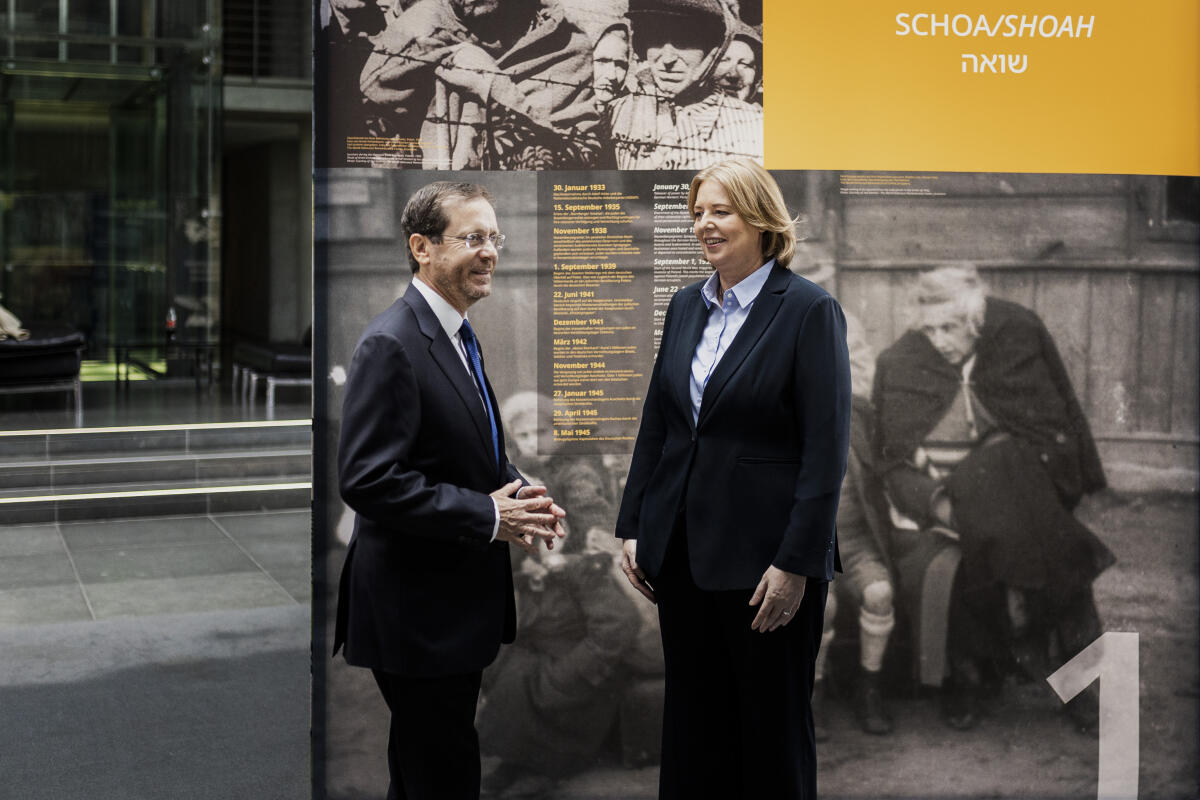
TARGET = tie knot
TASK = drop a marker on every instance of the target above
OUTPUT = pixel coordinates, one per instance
(466, 332)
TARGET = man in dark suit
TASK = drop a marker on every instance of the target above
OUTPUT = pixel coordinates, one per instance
(426, 595)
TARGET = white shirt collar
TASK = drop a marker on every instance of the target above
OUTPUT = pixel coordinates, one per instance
(446, 314)
(744, 291)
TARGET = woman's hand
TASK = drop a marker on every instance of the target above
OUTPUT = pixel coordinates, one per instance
(633, 571)
(780, 594)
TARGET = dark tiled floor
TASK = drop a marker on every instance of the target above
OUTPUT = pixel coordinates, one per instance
(30, 540)
(153, 648)
(78, 571)
(103, 535)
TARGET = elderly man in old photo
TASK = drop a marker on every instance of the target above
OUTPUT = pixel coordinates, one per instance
(676, 115)
(426, 593)
(980, 434)
(723, 124)
(485, 84)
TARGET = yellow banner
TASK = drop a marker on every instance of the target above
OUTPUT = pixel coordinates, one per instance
(1093, 87)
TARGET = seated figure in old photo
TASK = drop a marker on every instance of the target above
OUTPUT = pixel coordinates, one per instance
(864, 532)
(484, 84)
(980, 438)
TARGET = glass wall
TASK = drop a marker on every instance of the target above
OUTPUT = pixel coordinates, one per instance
(109, 200)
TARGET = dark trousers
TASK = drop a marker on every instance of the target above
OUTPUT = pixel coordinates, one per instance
(433, 750)
(737, 719)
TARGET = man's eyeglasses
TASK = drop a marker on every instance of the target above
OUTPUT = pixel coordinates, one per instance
(473, 241)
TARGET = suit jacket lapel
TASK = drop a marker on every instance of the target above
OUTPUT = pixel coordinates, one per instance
(441, 349)
(693, 315)
(761, 313)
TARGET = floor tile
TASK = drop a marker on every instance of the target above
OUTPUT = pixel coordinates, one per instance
(140, 532)
(290, 564)
(279, 553)
(21, 572)
(281, 525)
(38, 605)
(160, 561)
(139, 597)
(30, 540)
(296, 580)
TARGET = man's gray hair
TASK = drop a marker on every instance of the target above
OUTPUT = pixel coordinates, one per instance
(957, 284)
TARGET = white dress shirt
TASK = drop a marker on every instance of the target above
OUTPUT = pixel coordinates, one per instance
(725, 318)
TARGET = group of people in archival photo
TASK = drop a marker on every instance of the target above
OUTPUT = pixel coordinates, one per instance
(538, 84)
(975, 552)
(963, 565)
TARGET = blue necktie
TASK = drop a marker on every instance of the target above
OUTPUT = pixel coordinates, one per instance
(472, 345)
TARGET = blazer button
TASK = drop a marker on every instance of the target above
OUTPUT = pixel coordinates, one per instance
(693, 436)
(1045, 458)
(1061, 438)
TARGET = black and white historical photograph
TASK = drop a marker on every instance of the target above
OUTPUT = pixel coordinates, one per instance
(537, 84)
(1017, 611)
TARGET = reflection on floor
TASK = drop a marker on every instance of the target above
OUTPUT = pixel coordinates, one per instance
(89, 560)
(152, 649)
(96, 570)
(155, 584)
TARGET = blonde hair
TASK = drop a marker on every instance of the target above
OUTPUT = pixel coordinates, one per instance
(756, 198)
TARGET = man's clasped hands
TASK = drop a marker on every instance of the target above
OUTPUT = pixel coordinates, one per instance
(527, 515)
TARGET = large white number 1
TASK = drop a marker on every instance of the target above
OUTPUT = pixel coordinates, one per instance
(1113, 658)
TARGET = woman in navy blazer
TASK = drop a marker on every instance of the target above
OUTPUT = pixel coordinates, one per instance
(728, 512)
